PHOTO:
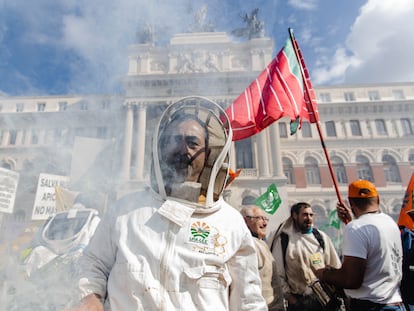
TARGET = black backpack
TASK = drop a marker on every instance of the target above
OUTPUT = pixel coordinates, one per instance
(336, 300)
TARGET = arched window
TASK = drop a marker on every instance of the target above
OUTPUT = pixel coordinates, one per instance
(288, 171)
(391, 172)
(312, 171)
(244, 153)
(364, 168)
(339, 170)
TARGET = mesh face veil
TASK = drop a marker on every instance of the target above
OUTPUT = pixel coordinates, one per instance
(217, 137)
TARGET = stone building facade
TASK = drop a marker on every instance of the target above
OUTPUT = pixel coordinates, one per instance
(367, 129)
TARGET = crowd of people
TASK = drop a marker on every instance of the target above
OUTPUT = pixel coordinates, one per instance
(179, 246)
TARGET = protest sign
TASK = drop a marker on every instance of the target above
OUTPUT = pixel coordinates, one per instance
(8, 187)
(45, 201)
(270, 200)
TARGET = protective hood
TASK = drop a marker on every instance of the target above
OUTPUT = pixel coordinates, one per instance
(213, 123)
(69, 230)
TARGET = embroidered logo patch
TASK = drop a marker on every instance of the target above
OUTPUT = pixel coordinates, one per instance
(206, 239)
(200, 230)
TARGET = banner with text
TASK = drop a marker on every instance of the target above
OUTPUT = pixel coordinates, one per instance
(45, 201)
(8, 188)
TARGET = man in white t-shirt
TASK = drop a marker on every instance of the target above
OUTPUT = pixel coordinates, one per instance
(372, 253)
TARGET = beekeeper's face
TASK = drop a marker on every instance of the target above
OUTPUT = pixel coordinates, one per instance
(183, 151)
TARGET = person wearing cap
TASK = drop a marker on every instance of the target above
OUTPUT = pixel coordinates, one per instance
(371, 268)
(256, 220)
(177, 245)
(294, 246)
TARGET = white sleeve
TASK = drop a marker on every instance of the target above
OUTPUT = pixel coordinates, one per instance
(245, 289)
(97, 260)
(353, 244)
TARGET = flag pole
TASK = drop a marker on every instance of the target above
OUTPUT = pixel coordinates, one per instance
(295, 47)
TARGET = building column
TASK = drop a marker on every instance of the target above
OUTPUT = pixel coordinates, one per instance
(6, 137)
(368, 128)
(129, 124)
(263, 153)
(141, 120)
(275, 155)
(398, 128)
(19, 137)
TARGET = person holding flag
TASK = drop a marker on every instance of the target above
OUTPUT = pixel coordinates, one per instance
(371, 269)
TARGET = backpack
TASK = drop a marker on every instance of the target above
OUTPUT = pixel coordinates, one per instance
(407, 282)
(328, 296)
(284, 239)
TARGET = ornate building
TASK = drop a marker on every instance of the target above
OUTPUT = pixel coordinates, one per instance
(367, 129)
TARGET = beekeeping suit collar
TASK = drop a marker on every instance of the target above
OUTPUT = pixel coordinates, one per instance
(207, 190)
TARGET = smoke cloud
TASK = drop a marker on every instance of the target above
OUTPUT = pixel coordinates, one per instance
(86, 43)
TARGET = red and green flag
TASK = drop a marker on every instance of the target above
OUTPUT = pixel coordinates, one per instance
(309, 110)
(270, 200)
(279, 91)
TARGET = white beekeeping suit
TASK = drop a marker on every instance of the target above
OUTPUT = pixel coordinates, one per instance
(178, 245)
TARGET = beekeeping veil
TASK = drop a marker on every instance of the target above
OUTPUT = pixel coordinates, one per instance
(218, 137)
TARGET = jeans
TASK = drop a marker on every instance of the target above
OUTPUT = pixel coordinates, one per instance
(365, 305)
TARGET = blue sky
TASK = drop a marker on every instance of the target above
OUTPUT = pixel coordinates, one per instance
(50, 47)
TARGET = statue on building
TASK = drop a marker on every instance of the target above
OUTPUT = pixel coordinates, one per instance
(186, 63)
(254, 27)
(145, 34)
(197, 61)
(211, 62)
(200, 23)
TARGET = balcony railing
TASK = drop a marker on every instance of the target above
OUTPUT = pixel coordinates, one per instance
(248, 172)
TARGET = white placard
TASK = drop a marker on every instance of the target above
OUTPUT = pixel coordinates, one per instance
(8, 188)
(45, 201)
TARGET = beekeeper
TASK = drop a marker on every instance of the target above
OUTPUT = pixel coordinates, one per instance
(179, 245)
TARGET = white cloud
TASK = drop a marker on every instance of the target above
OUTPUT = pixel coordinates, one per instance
(303, 4)
(94, 34)
(379, 47)
(334, 73)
